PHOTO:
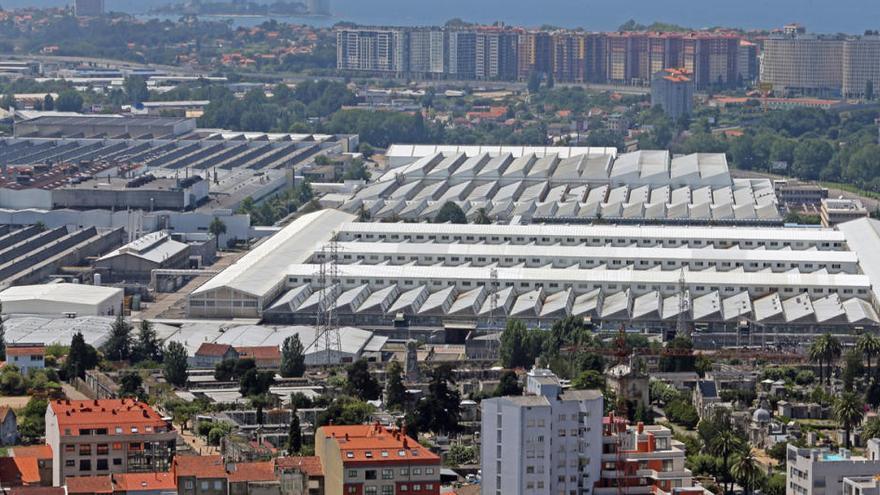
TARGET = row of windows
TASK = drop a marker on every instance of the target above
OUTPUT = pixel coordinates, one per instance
(389, 489)
(595, 241)
(86, 464)
(607, 287)
(388, 473)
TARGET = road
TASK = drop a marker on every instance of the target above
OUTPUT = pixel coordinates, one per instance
(106, 62)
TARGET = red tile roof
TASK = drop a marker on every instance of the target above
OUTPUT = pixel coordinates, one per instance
(106, 413)
(263, 352)
(37, 490)
(38, 451)
(24, 350)
(206, 466)
(134, 482)
(213, 350)
(15, 471)
(311, 465)
(374, 443)
(252, 471)
(89, 484)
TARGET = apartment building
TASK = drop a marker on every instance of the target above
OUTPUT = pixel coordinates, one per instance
(427, 52)
(836, 211)
(534, 54)
(100, 437)
(371, 50)
(640, 459)
(822, 472)
(547, 441)
(803, 64)
(570, 54)
(496, 55)
(375, 460)
(462, 53)
(861, 63)
(673, 90)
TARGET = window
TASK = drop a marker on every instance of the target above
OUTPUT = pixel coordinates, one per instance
(404, 471)
(371, 490)
(101, 465)
(387, 474)
(429, 470)
(117, 461)
(352, 473)
(119, 430)
(188, 484)
(370, 474)
(70, 448)
(218, 485)
(387, 489)
(85, 465)
(416, 472)
(204, 485)
(70, 463)
(85, 449)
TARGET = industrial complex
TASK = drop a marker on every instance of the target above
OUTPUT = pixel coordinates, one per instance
(564, 185)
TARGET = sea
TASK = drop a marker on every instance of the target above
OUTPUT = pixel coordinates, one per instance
(822, 16)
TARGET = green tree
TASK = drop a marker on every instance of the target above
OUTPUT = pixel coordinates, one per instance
(775, 485)
(459, 455)
(361, 383)
(725, 445)
(346, 410)
(131, 385)
(175, 365)
(147, 345)
(293, 358)
(439, 410)
(118, 346)
(48, 103)
(848, 412)
(871, 429)
(80, 358)
(828, 349)
(515, 350)
(294, 435)
(395, 391)
(590, 379)
(217, 228)
(508, 384)
(810, 157)
(450, 213)
(69, 100)
(534, 83)
(136, 89)
(11, 381)
(254, 382)
(853, 369)
(745, 470)
(680, 358)
(869, 346)
(8, 101)
(32, 419)
(356, 170)
(482, 217)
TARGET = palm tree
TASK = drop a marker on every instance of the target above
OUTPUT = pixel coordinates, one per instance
(724, 446)
(869, 346)
(745, 470)
(817, 355)
(217, 228)
(831, 351)
(848, 412)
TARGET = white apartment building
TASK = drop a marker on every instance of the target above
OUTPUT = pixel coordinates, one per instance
(548, 441)
(823, 472)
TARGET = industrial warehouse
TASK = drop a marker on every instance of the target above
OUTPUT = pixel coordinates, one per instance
(780, 281)
(564, 185)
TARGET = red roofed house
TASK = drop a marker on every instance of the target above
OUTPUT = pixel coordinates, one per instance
(266, 356)
(144, 484)
(200, 475)
(210, 354)
(37, 490)
(252, 477)
(100, 437)
(41, 455)
(89, 485)
(19, 471)
(371, 459)
(26, 357)
(300, 474)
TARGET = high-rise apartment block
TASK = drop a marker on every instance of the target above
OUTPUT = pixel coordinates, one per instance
(673, 90)
(100, 437)
(503, 53)
(797, 63)
(548, 441)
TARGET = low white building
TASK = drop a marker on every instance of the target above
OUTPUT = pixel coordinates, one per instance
(822, 472)
(548, 441)
(62, 299)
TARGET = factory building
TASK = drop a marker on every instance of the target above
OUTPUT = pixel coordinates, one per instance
(784, 280)
(61, 300)
(564, 185)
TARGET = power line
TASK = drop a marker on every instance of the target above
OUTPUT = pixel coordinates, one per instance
(327, 323)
